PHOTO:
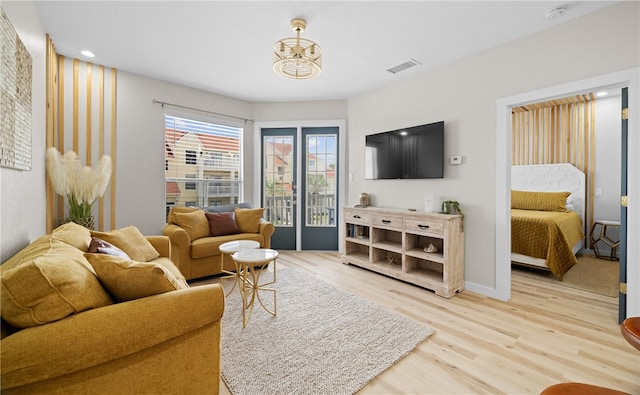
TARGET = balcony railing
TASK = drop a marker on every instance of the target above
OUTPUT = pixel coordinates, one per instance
(201, 192)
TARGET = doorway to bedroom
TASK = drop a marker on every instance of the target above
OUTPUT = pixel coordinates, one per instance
(582, 132)
(629, 302)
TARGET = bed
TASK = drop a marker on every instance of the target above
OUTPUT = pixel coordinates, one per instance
(547, 216)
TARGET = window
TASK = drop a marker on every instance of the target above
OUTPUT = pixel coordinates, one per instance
(202, 162)
(190, 157)
(189, 185)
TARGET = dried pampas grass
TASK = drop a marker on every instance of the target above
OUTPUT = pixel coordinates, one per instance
(81, 185)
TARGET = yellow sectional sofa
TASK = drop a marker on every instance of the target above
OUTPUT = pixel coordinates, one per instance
(67, 328)
(197, 233)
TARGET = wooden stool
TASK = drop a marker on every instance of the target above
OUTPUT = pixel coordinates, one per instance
(580, 389)
(630, 330)
(602, 237)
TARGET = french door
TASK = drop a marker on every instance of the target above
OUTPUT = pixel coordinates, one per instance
(305, 218)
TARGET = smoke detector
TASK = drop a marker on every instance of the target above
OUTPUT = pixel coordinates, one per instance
(557, 12)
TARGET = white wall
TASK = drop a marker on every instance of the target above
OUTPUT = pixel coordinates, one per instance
(607, 164)
(464, 95)
(22, 195)
(607, 158)
(140, 188)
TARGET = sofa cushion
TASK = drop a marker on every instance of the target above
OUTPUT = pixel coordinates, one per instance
(99, 246)
(127, 280)
(248, 219)
(131, 241)
(74, 235)
(194, 223)
(226, 208)
(221, 224)
(174, 210)
(50, 287)
(210, 246)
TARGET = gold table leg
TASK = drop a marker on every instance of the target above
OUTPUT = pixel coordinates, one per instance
(235, 276)
(250, 289)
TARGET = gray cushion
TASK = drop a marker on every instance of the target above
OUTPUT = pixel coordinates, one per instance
(227, 208)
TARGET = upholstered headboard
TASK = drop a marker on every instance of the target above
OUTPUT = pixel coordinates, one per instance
(558, 177)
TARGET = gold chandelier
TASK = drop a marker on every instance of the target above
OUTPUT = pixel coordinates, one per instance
(297, 58)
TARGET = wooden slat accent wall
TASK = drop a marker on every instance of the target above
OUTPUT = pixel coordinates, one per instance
(81, 116)
(557, 131)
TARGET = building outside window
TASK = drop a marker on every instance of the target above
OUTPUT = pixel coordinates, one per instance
(202, 163)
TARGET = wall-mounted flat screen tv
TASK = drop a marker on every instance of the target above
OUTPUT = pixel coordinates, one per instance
(410, 153)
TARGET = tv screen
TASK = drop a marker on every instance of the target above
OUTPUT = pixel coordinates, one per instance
(411, 153)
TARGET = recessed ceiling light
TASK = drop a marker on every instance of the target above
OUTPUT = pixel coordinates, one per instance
(602, 93)
(557, 12)
(87, 53)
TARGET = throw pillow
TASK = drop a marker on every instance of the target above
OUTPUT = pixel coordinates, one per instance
(73, 234)
(99, 246)
(50, 287)
(541, 201)
(127, 280)
(221, 224)
(195, 223)
(248, 219)
(131, 241)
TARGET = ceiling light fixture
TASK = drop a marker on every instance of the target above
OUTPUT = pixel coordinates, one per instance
(296, 57)
(557, 12)
(87, 53)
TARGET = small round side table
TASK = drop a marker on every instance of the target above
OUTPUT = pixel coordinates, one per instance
(251, 264)
(229, 248)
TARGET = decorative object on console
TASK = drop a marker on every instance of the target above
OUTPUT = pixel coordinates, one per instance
(393, 259)
(453, 207)
(364, 200)
(430, 248)
(428, 204)
(81, 185)
(296, 57)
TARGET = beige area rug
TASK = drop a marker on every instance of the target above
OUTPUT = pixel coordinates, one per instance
(591, 274)
(323, 340)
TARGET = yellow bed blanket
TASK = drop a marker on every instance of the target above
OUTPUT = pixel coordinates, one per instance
(549, 235)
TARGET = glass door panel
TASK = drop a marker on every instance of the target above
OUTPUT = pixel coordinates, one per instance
(279, 184)
(320, 189)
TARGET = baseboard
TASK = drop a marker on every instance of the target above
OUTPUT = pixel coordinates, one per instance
(483, 290)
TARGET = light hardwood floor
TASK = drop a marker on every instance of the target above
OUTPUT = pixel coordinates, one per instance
(544, 335)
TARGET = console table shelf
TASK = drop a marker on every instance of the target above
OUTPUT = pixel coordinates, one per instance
(392, 242)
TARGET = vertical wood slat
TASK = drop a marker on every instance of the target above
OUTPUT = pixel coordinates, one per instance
(51, 136)
(76, 106)
(61, 129)
(113, 147)
(101, 140)
(89, 111)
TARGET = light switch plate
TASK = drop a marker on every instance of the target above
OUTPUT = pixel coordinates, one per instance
(455, 160)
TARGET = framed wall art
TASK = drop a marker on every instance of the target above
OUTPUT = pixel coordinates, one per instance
(15, 98)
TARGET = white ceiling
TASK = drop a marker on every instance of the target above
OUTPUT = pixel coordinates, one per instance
(225, 46)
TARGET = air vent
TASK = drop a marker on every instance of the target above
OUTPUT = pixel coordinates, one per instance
(403, 66)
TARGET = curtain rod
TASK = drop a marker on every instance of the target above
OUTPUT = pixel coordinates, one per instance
(197, 109)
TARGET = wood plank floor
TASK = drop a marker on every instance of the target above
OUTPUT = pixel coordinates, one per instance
(544, 335)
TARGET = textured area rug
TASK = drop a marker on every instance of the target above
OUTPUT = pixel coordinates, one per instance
(323, 340)
(591, 274)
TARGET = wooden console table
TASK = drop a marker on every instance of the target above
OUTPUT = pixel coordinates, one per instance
(392, 242)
